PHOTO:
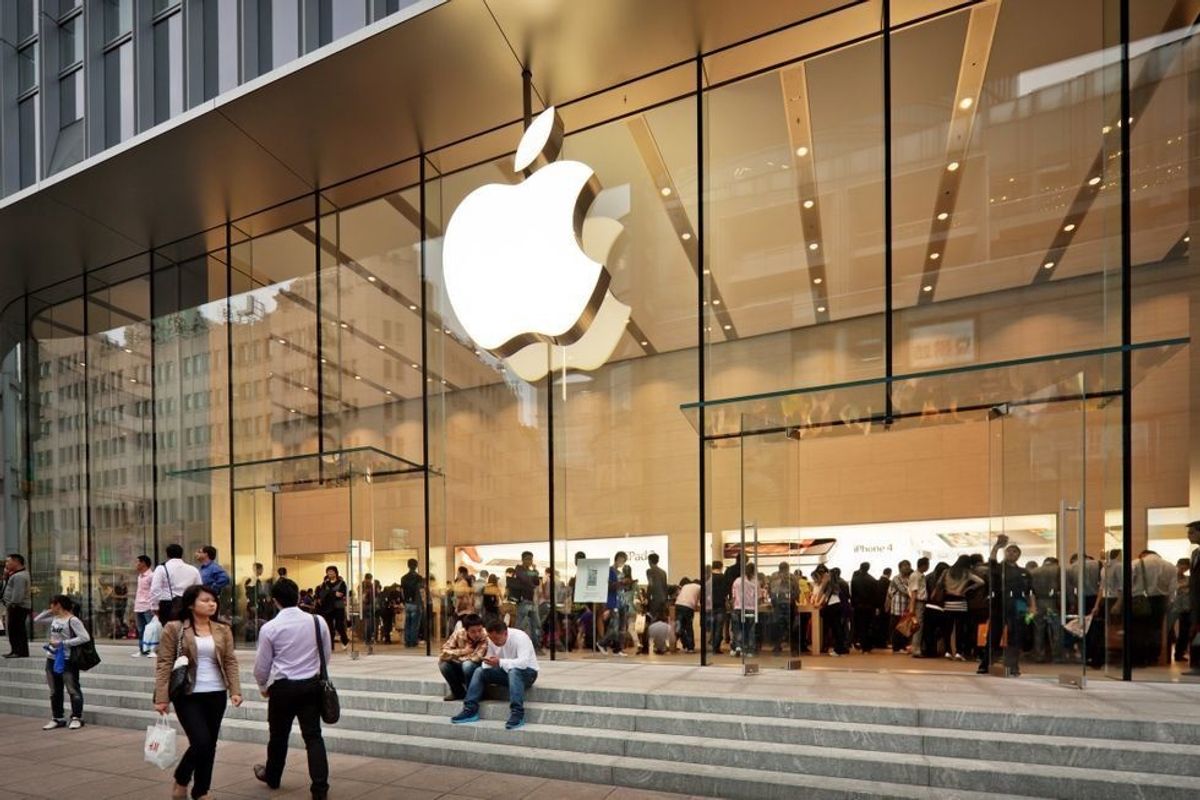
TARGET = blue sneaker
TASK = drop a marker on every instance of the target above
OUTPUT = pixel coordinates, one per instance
(514, 722)
(464, 717)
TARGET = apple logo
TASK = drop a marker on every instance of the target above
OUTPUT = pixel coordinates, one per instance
(525, 272)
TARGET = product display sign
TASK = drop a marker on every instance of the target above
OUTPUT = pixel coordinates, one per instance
(591, 580)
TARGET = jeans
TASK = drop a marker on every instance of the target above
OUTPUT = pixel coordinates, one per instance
(781, 622)
(412, 624)
(517, 681)
(614, 635)
(458, 676)
(68, 680)
(742, 627)
(200, 717)
(1046, 622)
(529, 621)
(918, 636)
(684, 617)
(716, 624)
(17, 628)
(143, 619)
(289, 700)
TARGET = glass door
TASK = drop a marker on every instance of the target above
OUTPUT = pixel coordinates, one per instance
(1040, 612)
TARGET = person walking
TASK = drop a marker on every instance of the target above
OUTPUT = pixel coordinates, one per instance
(66, 631)
(18, 605)
(143, 608)
(287, 668)
(212, 674)
(171, 579)
(331, 603)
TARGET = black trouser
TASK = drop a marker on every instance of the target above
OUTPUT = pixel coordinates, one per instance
(1012, 619)
(200, 717)
(18, 630)
(336, 619)
(1182, 639)
(864, 627)
(301, 700)
(68, 680)
(683, 620)
(835, 628)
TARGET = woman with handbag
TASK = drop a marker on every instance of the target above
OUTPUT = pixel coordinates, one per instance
(196, 669)
(67, 632)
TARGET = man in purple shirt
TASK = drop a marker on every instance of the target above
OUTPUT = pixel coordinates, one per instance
(288, 669)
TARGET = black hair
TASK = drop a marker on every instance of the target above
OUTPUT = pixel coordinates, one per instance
(718, 565)
(286, 593)
(621, 554)
(190, 595)
(526, 553)
(413, 563)
(580, 556)
(471, 620)
(174, 551)
(334, 568)
(17, 557)
(922, 563)
(145, 560)
(652, 558)
(865, 566)
(496, 626)
(282, 572)
(64, 602)
(209, 551)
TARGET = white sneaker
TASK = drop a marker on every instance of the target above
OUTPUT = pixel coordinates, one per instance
(148, 655)
(137, 655)
(54, 724)
(76, 724)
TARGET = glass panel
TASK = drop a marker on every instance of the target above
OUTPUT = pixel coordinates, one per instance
(162, 5)
(168, 68)
(27, 68)
(27, 114)
(278, 33)
(220, 47)
(118, 18)
(120, 441)
(25, 19)
(70, 42)
(14, 363)
(118, 94)
(70, 98)
(340, 17)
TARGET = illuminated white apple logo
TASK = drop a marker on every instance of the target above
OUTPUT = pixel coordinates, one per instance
(519, 271)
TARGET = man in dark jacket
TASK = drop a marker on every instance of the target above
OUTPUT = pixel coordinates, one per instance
(863, 599)
(1193, 535)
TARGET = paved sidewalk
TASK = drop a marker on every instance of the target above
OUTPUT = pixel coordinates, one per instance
(98, 763)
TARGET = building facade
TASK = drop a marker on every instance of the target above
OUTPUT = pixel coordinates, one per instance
(902, 278)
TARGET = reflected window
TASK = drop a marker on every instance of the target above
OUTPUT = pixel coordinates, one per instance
(118, 94)
(27, 68)
(220, 22)
(24, 19)
(340, 17)
(118, 18)
(70, 98)
(70, 42)
(278, 33)
(27, 133)
(168, 67)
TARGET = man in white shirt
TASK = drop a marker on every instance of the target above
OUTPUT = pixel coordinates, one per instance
(287, 668)
(510, 661)
(171, 579)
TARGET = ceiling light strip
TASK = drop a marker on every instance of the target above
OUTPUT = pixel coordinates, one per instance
(793, 82)
(972, 69)
(685, 234)
(350, 374)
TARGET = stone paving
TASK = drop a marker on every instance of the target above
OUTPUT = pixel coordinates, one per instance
(99, 763)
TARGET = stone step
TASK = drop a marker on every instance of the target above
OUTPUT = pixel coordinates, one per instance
(1049, 780)
(738, 783)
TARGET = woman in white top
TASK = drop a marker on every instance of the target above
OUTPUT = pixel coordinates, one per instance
(212, 671)
(66, 631)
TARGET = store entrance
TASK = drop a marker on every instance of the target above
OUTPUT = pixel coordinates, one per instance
(945, 536)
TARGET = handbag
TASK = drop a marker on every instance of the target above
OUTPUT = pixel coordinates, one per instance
(906, 626)
(331, 707)
(181, 679)
(83, 656)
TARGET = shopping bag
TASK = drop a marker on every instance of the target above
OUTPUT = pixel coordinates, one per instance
(151, 635)
(160, 744)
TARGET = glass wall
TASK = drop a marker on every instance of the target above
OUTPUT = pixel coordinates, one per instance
(870, 298)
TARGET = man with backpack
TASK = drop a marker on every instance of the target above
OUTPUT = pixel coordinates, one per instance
(171, 579)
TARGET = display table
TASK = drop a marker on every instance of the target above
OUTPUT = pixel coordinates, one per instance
(815, 615)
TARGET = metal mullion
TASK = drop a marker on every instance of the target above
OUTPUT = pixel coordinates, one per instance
(701, 366)
(425, 383)
(889, 326)
(124, 38)
(1126, 356)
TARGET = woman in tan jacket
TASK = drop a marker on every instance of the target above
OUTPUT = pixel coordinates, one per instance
(212, 671)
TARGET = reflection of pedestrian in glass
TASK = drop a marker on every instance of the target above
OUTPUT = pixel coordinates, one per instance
(1012, 599)
(331, 603)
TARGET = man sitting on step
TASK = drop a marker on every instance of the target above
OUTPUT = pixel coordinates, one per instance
(510, 661)
(462, 653)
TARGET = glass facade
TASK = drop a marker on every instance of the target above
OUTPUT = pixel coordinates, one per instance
(894, 295)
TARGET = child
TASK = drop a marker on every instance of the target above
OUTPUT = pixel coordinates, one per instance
(66, 631)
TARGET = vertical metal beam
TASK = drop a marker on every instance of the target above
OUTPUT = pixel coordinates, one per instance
(154, 413)
(319, 318)
(233, 527)
(1126, 358)
(701, 366)
(27, 407)
(888, 342)
(425, 384)
(85, 546)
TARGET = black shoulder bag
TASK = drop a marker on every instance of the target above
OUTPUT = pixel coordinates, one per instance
(331, 707)
(83, 656)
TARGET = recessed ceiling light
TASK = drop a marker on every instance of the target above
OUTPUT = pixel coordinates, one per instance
(813, 246)
(708, 272)
(1070, 226)
(127, 350)
(305, 388)
(358, 377)
(665, 191)
(808, 203)
(1106, 129)
(1048, 265)
(817, 281)
(728, 327)
(443, 381)
(283, 341)
(802, 151)
(412, 308)
(952, 166)
(966, 103)
(943, 216)
(371, 278)
(820, 309)
(382, 347)
(927, 288)
(84, 364)
(133, 380)
(323, 361)
(418, 366)
(1186, 239)
(644, 344)
(686, 236)
(345, 325)
(716, 302)
(1094, 180)
(934, 256)
(388, 392)
(292, 410)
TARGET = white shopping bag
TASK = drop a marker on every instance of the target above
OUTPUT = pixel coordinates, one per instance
(151, 635)
(160, 744)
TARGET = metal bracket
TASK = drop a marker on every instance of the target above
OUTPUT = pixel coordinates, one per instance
(792, 663)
